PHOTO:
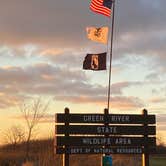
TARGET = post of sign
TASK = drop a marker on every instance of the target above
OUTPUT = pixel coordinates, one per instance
(107, 159)
(66, 156)
(146, 154)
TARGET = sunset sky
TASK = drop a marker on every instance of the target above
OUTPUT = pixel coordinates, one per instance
(42, 47)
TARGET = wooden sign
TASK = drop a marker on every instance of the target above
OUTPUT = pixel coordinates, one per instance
(105, 134)
(104, 141)
(102, 130)
(101, 118)
(101, 150)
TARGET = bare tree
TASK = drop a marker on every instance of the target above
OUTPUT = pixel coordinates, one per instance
(32, 112)
(14, 135)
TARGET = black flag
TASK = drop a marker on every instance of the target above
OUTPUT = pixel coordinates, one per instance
(95, 62)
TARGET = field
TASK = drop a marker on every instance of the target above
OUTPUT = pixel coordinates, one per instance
(158, 160)
(42, 155)
(81, 160)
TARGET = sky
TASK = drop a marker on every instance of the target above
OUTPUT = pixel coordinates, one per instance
(42, 48)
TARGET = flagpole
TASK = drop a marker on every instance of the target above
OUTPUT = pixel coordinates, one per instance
(111, 51)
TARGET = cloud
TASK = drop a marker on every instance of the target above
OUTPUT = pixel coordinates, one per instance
(117, 102)
(10, 100)
(56, 26)
(63, 23)
(153, 77)
(60, 41)
(161, 117)
(40, 21)
(150, 44)
(64, 57)
(63, 83)
(119, 86)
(51, 52)
(158, 100)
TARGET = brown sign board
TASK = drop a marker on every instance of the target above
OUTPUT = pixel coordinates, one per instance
(104, 141)
(101, 150)
(103, 130)
(101, 118)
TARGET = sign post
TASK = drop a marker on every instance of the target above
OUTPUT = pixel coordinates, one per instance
(66, 156)
(107, 159)
(146, 154)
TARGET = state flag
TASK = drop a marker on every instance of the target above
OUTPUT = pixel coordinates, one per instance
(97, 34)
(101, 6)
(95, 61)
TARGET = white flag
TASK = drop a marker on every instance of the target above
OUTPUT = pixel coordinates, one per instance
(98, 34)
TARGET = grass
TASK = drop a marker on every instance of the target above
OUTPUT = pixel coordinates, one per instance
(46, 159)
(42, 154)
(158, 160)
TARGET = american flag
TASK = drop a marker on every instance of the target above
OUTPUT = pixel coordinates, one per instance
(101, 6)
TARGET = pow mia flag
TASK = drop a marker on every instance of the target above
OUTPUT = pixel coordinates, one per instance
(95, 61)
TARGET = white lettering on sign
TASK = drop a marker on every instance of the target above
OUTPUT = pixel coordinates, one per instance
(122, 118)
(123, 141)
(107, 141)
(76, 150)
(93, 118)
(87, 150)
(123, 150)
(107, 130)
(96, 141)
(101, 150)
(127, 150)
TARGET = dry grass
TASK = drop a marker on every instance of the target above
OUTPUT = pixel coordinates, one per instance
(42, 155)
(27, 164)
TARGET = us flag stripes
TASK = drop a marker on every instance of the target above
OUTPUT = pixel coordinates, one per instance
(101, 6)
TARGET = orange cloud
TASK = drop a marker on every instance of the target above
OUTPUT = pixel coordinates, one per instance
(121, 102)
(157, 100)
(10, 100)
(51, 52)
(47, 77)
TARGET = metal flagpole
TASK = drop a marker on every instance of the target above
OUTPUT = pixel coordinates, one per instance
(106, 111)
(111, 50)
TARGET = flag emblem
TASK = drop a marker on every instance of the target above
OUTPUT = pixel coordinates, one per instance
(97, 34)
(101, 7)
(95, 62)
